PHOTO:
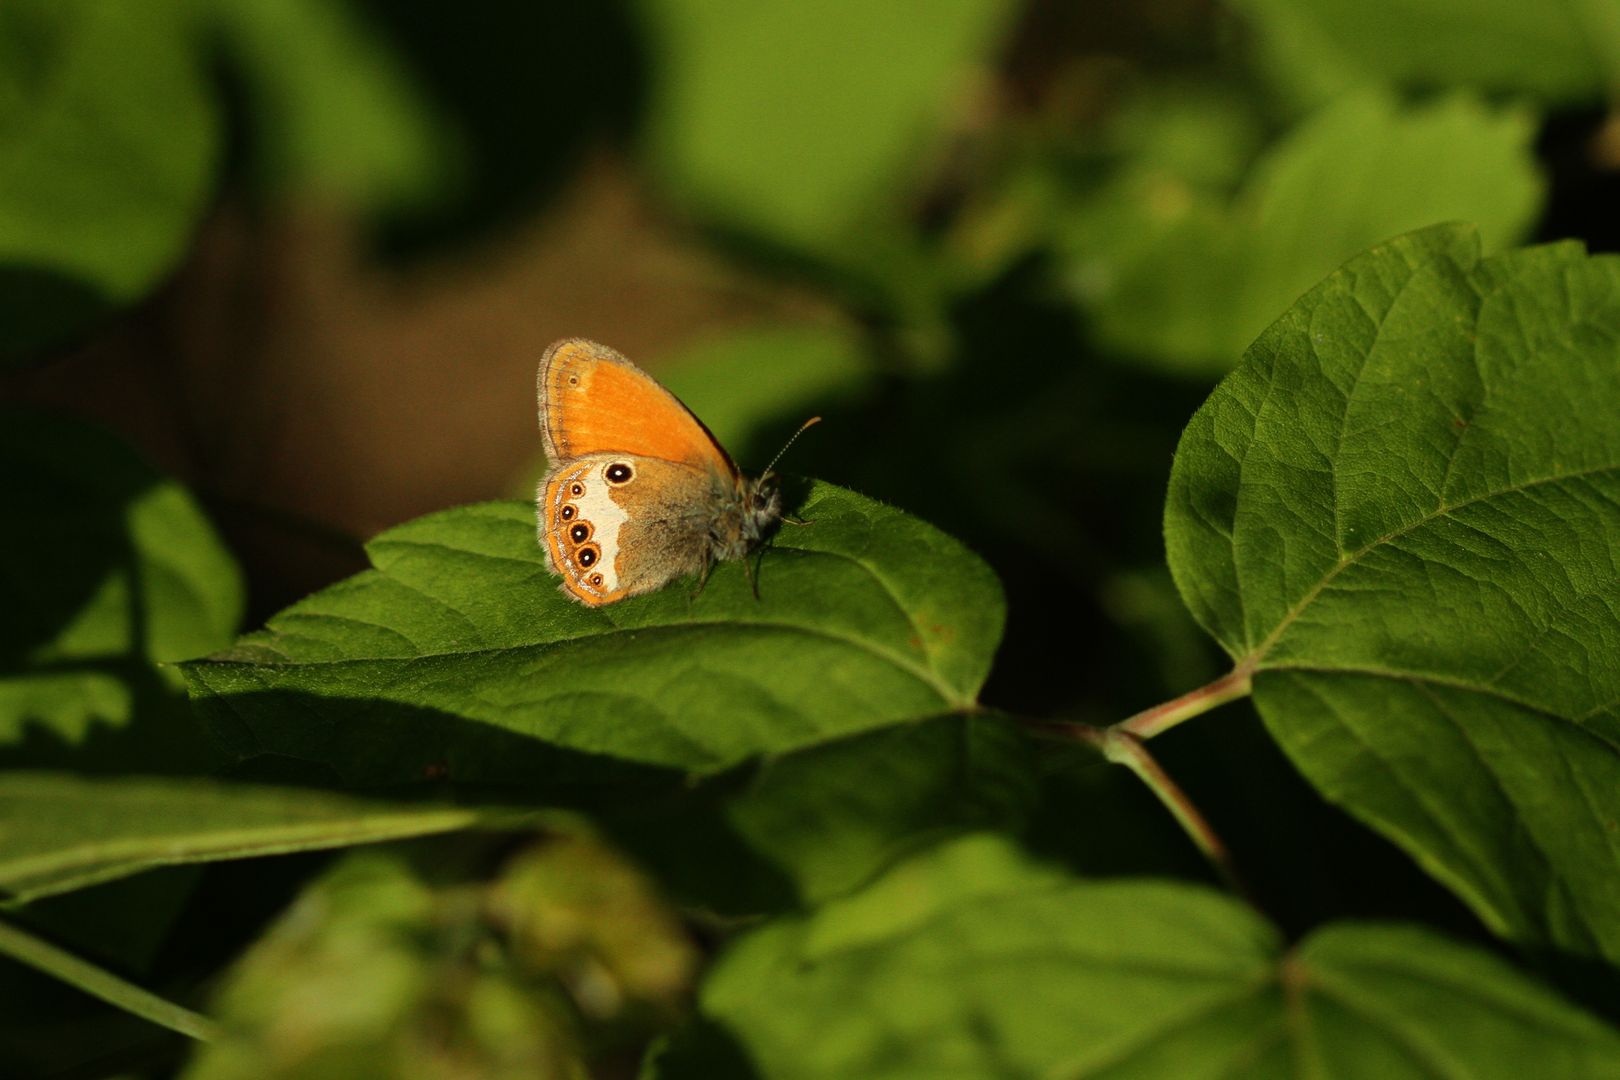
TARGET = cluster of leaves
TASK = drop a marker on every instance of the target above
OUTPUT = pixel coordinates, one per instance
(1398, 517)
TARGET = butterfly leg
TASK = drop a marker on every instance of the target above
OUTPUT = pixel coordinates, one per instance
(703, 579)
(791, 520)
(751, 570)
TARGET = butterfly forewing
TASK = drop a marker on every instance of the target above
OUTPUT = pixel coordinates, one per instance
(593, 400)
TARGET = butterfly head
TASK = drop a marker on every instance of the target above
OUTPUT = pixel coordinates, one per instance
(757, 507)
(740, 528)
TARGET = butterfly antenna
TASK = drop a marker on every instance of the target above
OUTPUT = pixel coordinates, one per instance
(806, 426)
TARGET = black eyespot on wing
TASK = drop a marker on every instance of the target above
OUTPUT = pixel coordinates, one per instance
(568, 511)
(580, 533)
(619, 473)
(573, 380)
(587, 555)
(596, 579)
(576, 489)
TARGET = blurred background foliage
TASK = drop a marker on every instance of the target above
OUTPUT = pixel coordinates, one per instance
(302, 257)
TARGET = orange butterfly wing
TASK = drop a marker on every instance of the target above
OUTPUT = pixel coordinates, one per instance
(593, 400)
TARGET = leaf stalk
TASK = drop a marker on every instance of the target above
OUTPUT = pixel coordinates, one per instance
(1124, 744)
(1160, 718)
(1123, 747)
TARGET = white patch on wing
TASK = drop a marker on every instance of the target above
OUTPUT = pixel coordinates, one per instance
(606, 516)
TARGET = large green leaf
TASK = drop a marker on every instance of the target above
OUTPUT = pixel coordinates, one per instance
(458, 656)
(795, 122)
(60, 832)
(1402, 511)
(110, 136)
(1180, 277)
(971, 961)
(110, 568)
(1566, 51)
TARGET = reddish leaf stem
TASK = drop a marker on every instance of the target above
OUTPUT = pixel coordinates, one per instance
(1124, 744)
(1124, 748)
(1161, 718)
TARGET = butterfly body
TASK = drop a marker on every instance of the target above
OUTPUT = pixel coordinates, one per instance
(639, 492)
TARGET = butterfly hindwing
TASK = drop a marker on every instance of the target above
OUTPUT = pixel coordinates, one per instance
(596, 511)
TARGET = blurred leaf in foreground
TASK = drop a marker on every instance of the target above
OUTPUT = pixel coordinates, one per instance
(386, 968)
(1402, 514)
(971, 961)
(114, 570)
(111, 137)
(459, 657)
(1191, 279)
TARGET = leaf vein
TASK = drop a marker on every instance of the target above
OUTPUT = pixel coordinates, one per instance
(1354, 557)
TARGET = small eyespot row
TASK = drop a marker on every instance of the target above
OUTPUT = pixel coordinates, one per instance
(568, 511)
(587, 556)
(580, 532)
(576, 489)
(596, 579)
(619, 473)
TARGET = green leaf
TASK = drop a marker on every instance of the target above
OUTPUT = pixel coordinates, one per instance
(458, 655)
(1182, 279)
(971, 961)
(797, 123)
(113, 568)
(333, 112)
(1402, 512)
(60, 832)
(110, 136)
(1564, 52)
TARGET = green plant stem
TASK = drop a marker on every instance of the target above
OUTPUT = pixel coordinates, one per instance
(1161, 718)
(1123, 744)
(1126, 748)
(41, 955)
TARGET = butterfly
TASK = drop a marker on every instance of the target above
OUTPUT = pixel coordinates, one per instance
(639, 492)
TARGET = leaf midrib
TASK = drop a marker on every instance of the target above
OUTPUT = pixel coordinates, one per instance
(927, 672)
(922, 673)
